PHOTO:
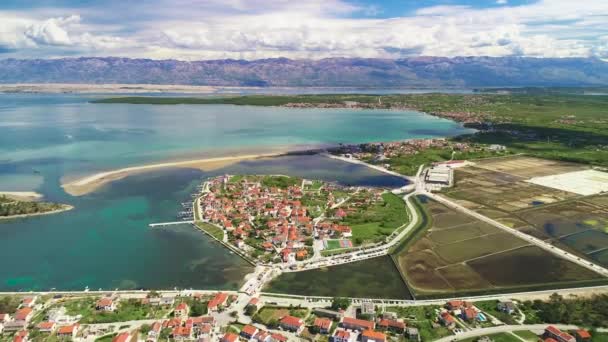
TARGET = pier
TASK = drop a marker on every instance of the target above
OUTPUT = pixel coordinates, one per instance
(164, 224)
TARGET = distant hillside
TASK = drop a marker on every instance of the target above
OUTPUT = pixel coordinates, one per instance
(332, 72)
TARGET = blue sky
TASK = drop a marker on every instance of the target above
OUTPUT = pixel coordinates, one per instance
(250, 29)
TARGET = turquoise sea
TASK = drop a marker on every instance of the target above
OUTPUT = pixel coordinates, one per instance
(105, 242)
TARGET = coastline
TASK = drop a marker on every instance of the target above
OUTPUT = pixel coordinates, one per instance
(66, 207)
(22, 195)
(93, 182)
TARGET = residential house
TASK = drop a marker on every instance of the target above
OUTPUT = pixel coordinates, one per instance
(254, 302)
(21, 336)
(46, 326)
(154, 332)
(372, 336)
(230, 337)
(582, 335)
(323, 324)
(28, 302)
(181, 310)
(123, 337)
(390, 324)
(447, 320)
(507, 307)
(341, 336)
(357, 324)
(469, 314)
(292, 323)
(276, 337)
(69, 331)
(262, 336)
(368, 308)
(217, 302)
(105, 304)
(181, 333)
(249, 331)
(558, 335)
(24, 314)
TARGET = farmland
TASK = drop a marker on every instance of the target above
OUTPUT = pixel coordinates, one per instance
(500, 188)
(458, 254)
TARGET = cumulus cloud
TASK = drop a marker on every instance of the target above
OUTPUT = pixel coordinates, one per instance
(250, 29)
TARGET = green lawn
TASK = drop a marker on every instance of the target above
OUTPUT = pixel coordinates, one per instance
(375, 223)
(527, 335)
(216, 232)
(269, 313)
(490, 306)
(422, 317)
(127, 310)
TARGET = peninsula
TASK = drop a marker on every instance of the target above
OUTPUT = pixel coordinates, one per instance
(23, 204)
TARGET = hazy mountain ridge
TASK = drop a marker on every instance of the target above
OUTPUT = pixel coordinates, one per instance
(331, 72)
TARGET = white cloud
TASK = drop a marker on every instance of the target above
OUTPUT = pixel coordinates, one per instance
(314, 29)
(502, 2)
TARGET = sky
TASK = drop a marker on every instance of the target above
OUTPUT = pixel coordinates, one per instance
(255, 29)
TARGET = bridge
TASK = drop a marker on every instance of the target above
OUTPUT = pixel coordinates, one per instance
(164, 224)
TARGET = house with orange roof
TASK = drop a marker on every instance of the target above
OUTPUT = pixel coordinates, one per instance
(68, 331)
(105, 304)
(447, 320)
(154, 332)
(46, 327)
(558, 335)
(372, 336)
(276, 337)
(29, 301)
(181, 333)
(217, 302)
(24, 314)
(123, 337)
(21, 336)
(323, 324)
(357, 324)
(249, 331)
(291, 323)
(582, 335)
(341, 336)
(181, 310)
(230, 337)
(391, 324)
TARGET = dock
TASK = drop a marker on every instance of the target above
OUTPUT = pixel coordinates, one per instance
(164, 224)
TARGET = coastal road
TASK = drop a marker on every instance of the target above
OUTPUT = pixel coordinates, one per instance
(536, 328)
(535, 241)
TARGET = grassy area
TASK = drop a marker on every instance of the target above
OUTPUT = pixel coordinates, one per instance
(282, 182)
(422, 318)
(10, 207)
(527, 335)
(214, 231)
(269, 314)
(375, 223)
(490, 307)
(127, 310)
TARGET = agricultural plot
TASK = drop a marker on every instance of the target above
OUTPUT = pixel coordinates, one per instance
(457, 254)
(542, 198)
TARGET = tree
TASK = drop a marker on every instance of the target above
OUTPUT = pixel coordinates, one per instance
(250, 310)
(272, 324)
(144, 329)
(340, 303)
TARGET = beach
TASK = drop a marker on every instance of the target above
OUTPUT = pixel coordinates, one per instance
(22, 195)
(93, 182)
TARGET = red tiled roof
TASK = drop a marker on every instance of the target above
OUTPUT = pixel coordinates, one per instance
(553, 330)
(254, 301)
(292, 321)
(45, 325)
(278, 337)
(322, 323)
(249, 330)
(358, 322)
(374, 335)
(219, 299)
(22, 314)
(550, 340)
(182, 306)
(392, 323)
(230, 337)
(122, 337)
(343, 334)
(103, 302)
(582, 333)
(182, 331)
(67, 330)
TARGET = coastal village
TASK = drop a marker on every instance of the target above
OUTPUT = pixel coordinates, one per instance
(277, 219)
(231, 317)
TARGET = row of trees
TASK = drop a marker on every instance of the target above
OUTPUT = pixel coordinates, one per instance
(591, 311)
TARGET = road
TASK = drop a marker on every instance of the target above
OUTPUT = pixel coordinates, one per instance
(537, 328)
(535, 241)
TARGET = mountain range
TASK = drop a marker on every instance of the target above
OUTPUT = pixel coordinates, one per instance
(329, 72)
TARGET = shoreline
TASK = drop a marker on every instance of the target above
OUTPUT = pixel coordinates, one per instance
(88, 184)
(66, 207)
(22, 195)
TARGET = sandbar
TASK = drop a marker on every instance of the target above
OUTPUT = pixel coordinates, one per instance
(91, 183)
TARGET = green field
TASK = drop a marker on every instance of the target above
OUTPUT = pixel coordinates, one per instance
(375, 223)
(527, 335)
(127, 310)
(422, 318)
(501, 337)
(271, 313)
(214, 231)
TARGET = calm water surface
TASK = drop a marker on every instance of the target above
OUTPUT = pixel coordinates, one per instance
(105, 242)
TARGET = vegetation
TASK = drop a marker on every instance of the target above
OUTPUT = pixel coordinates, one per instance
(270, 315)
(501, 337)
(376, 222)
(9, 303)
(340, 303)
(282, 182)
(128, 310)
(422, 317)
(592, 311)
(212, 230)
(10, 207)
(490, 306)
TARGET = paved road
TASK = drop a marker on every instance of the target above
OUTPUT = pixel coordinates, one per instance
(535, 241)
(538, 328)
